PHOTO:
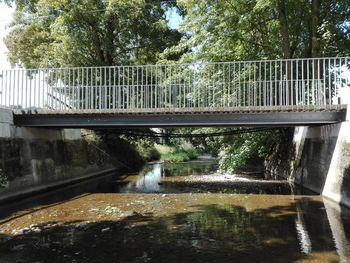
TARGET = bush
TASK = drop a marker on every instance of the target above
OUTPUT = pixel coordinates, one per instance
(163, 149)
(147, 151)
(180, 155)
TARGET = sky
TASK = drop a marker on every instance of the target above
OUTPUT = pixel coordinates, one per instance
(5, 19)
(172, 16)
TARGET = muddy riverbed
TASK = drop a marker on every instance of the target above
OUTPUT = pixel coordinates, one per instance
(167, 214)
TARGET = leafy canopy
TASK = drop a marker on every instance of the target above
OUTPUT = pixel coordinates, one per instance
(232, 30)
(57, 33)
(263, 29)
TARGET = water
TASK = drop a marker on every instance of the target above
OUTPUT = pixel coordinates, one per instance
(164, 214)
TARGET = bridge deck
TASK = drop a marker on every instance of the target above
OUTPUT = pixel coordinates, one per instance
(180, 117)
(250, 93)
(196, 110)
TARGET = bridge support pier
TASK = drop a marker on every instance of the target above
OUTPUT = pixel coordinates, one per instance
(322, 160)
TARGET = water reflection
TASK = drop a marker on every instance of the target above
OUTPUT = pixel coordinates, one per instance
(151, 177)
(181, 177)
(178, 227)
(148, 180)
(303, 235)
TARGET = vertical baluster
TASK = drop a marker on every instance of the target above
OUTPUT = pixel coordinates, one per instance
(272, 85)
(22, 88)
(313, 82)
(90, 88)
(303, 82)
(120, 87)
(109, 93)
(124, 88)
(86, 89)
(25, 89)
(307, 81)
(3, 87)
(114, 89)
(264, 102)
(234, 90)
(77, 89)
(297, 83)
(292, 85)
(239, 85)
(287, 82)
(324, 81)
(249, 85)
(152, 88)
(255, 86)
(146, 88)
(318, 84)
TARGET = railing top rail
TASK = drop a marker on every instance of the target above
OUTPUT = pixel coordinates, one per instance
(179, 64)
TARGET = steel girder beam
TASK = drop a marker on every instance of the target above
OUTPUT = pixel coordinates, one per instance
(179, 120)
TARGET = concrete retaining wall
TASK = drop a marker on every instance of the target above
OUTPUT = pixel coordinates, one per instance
(322, 160)
(34, 159)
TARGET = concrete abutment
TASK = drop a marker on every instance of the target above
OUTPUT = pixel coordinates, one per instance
(321, 160)
(36, 159)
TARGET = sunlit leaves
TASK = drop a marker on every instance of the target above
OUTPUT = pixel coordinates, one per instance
(89, 33)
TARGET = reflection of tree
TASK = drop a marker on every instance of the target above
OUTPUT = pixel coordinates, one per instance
(188, 168)
(207, 233)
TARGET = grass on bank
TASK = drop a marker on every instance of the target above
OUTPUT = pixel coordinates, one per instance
(175, 155)
(153, 152)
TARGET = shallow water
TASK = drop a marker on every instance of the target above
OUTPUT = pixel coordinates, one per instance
(162, 215)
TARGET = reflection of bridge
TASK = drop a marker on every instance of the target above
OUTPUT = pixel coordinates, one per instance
(267, 92)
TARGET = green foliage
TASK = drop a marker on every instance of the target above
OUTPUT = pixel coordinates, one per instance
(233, 152)
(163, 149)
(122, 151)
(59, 33)
(180, 155)
(240, 29)
(247, 147)
(256, 29)
(147, 150)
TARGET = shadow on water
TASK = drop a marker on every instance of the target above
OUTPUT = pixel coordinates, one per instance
(208, 233)
(154, 178)
(101, 184)
(235, 222)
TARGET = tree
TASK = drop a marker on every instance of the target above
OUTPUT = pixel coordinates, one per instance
(259, 29)
(263, 29)
(60, 33)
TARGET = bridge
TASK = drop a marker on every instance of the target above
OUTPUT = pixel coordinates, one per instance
(242, 93)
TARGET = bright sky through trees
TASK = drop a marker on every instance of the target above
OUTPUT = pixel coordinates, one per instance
(5, 19)
(173, 18)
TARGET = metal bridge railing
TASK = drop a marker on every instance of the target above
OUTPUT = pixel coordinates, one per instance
(265, 83)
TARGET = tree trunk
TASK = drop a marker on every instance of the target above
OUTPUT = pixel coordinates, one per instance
(315, 21)
(287, 54)
(282, 17)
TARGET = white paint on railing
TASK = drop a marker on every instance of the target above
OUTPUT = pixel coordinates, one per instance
(265, 83)
(343, 86)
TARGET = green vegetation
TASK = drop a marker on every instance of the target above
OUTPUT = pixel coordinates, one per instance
(251, 30)
(147, 150)
(180, 155)
(176, 153)
(58, 33)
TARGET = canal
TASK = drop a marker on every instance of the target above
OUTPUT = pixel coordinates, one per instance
(176, 213)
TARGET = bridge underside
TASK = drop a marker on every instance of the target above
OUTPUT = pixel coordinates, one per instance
(179, 118)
